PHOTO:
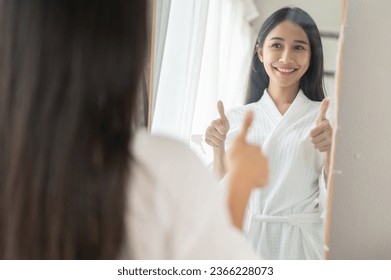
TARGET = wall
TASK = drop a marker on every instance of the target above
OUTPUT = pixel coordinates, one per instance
(361, 207)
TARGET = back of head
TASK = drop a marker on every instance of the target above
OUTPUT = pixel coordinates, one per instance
(312, 81)
(69, 73)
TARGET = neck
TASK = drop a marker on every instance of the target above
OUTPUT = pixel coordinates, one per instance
(283, 97)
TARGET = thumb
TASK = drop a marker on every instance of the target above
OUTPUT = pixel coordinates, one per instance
(246, 125)
(220, 108)
(323, 110)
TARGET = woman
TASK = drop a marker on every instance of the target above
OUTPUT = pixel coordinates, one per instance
(76, 182)
(285, 89)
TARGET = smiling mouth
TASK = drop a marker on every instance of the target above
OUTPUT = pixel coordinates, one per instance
(285, 70)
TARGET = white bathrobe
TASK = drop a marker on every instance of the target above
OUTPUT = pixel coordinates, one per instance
(284, 219)
(175, 210)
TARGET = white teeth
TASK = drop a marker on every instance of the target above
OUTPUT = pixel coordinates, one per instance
(284, 70)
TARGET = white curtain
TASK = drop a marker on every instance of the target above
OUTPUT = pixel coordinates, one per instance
(180, 69)
(161, 22)
(206, 57)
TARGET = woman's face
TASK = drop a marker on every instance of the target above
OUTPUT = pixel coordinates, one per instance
(286, 54)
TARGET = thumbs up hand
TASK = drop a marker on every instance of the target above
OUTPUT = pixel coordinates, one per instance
(217, 131)
(248, 168)
(321, 135)
(246, 161)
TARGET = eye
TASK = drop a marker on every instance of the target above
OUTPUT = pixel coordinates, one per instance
(276, 45)
(299, 47)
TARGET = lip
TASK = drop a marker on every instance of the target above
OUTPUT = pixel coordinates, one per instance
(285, 71)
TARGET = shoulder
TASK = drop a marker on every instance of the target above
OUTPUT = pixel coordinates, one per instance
(146, 146)
(166, 158)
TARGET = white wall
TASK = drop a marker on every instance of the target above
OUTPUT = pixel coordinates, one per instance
(361, 200)
(327, 14)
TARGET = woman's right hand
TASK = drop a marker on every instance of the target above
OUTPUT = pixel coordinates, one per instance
(247, 169)
(217, 131)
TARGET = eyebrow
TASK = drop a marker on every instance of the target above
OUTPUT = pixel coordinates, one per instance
(296, 41)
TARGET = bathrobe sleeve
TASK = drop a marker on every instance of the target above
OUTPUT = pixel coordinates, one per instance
(323, 190)
(322, 194)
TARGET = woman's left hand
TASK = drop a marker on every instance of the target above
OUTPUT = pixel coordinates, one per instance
(322, 134)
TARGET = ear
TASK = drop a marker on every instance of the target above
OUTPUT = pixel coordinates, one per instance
(260, 53)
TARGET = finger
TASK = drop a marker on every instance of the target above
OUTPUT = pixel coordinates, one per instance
(215, 133)
(214, 129)
(221, 129)
(323, 109)
(220, 108)
(321, 137)
(246, 125)
(214, 141)
(316, 131)
(325, 148)
(323, 144)
(320, 128)
(217, 140)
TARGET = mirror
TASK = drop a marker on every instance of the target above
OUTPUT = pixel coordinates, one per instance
(359, 221)
(202, 53)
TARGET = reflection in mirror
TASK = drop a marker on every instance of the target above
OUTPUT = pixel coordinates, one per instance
(211, 62)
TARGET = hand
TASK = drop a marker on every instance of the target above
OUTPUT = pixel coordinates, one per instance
(247, 164)
(217, 131)
(248, 169)
(321, 135)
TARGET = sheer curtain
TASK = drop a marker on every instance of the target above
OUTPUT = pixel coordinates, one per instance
(206, 57)
(162, 11)
(178, 82)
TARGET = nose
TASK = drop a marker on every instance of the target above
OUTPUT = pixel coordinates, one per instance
(285, 57)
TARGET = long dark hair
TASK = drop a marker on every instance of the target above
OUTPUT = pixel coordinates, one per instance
(69, 71)
(312, 81)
